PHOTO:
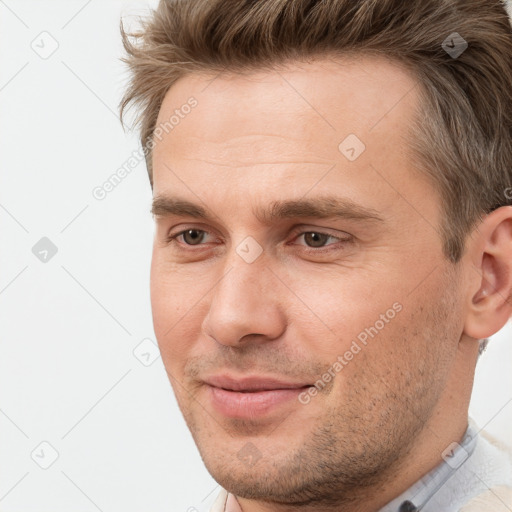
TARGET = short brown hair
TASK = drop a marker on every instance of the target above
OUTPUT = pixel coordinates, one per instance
(462, 133)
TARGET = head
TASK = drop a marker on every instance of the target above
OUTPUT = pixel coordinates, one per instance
(332, 197)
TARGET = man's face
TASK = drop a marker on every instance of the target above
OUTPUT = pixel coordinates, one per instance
(287, 296)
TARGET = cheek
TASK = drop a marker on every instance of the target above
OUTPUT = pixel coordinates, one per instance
(172, 307)
(171, 290)
(341, 309)
(376, 362)
(162, 305)
(374, 340)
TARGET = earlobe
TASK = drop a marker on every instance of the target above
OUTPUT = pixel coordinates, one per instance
(491, 306)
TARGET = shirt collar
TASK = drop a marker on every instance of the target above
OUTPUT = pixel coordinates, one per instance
(418, 495)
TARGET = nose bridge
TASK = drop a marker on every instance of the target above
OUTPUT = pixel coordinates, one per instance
(244, 300)
(243, 283)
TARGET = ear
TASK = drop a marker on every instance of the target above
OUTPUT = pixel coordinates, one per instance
(489, 305)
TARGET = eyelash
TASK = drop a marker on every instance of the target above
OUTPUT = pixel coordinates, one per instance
(172, 239)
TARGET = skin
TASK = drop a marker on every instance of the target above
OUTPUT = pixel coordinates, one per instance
(387, 416)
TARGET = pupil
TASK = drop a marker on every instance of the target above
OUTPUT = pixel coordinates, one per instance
(320, 238)
(194, 238)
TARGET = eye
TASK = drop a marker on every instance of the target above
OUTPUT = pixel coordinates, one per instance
(315, 241)
(315, 238)
(190, 236)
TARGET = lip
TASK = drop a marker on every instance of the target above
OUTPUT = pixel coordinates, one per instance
(251, 383)
(250, 397)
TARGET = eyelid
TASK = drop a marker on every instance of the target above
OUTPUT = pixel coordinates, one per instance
(324, 249)
(321, 231)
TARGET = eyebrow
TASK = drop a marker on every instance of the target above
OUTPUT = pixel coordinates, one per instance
(319, 207)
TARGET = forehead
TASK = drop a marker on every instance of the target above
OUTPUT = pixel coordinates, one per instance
(301, 106)
(361, 87)
(268, 132)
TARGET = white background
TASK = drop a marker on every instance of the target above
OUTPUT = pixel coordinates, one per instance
(68, 327)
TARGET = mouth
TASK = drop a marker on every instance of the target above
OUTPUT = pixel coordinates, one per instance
(252, 383)
(250, 397)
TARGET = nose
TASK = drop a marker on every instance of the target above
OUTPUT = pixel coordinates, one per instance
(245, 304)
